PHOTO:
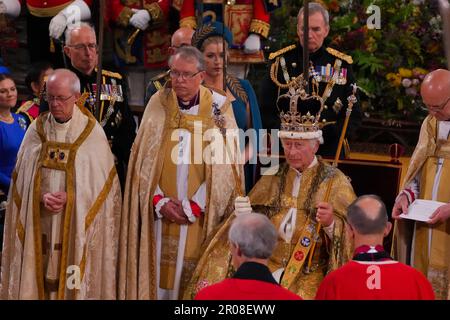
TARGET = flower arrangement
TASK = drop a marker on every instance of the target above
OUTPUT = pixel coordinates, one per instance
(389, 63)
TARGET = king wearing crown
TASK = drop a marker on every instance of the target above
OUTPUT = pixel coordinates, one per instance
(305, 198)
(330, 68)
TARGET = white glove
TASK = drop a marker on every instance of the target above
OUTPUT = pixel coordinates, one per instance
(57, 25)
(75, 13)
(252, 44)
(242, 206)
(140, 19)
(10, 8)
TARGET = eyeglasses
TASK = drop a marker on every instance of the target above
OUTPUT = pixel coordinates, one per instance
(49, 98)
(181, 45)
(439, 107)
(183, 75)
(79, 47)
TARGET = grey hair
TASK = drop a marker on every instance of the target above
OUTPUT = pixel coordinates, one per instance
(70, 76)
(359, 220)
(74, 26)
(313, 142)
(189, 53)
(254, 234)
(315, 7)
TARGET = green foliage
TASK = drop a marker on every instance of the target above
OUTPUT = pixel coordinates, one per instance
(367, 61)
(390, 63)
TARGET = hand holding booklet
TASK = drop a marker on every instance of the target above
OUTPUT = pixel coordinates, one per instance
(421, 210)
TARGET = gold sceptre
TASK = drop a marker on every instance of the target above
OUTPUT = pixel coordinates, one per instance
(351, 101)
(133, 37)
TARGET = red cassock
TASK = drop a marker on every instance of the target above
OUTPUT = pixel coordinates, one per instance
(151, 47)
(244, 289)
(382, 280)
(242, 17)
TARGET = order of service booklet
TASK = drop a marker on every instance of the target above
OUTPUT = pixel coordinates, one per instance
(421, 210)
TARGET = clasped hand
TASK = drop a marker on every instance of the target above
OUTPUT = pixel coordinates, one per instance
(54, 201)
(173, 211)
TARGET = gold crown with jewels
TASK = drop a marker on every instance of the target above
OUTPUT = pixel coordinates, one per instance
(294, 124)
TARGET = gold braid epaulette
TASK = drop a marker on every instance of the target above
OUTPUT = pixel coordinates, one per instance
(111, 74)
(25, 107)
(161, 76)
(124, 17)
(340, 55)
(156, 14)
(260, 27)
(188, 22)
(281, 51)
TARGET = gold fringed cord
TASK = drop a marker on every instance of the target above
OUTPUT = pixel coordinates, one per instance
(52, 46)
(133, 37)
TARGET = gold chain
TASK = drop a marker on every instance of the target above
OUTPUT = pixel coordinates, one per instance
(8, 118)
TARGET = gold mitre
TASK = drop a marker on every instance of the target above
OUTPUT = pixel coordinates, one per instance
(294, 123)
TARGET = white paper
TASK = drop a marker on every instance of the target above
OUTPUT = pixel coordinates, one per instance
(421, 210)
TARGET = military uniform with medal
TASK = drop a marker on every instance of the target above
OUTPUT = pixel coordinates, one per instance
(116, 117)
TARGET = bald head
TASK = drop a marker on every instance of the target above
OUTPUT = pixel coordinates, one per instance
(65, 78)
(182, 37)
(63, 90)
(435, 91)
(367, 215)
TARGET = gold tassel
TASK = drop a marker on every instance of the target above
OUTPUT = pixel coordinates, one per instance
(52, 46)
(133, 37)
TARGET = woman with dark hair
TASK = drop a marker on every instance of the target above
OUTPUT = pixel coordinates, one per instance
(12, 131)
(210, 39)
(35, 81)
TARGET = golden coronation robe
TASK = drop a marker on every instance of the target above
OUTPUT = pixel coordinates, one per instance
(273, 196)
(71, 254)
(148, 255)
(416, 243)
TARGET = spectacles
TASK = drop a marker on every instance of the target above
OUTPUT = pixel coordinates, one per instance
(183, 75)
(181, 45)
(49, 98)
(79, 47)
(439, 107)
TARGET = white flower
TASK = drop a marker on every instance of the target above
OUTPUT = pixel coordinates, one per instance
(406, 83)
(411, 91)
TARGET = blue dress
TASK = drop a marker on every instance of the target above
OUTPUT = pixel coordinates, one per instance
(246, 112)
(11, 136)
